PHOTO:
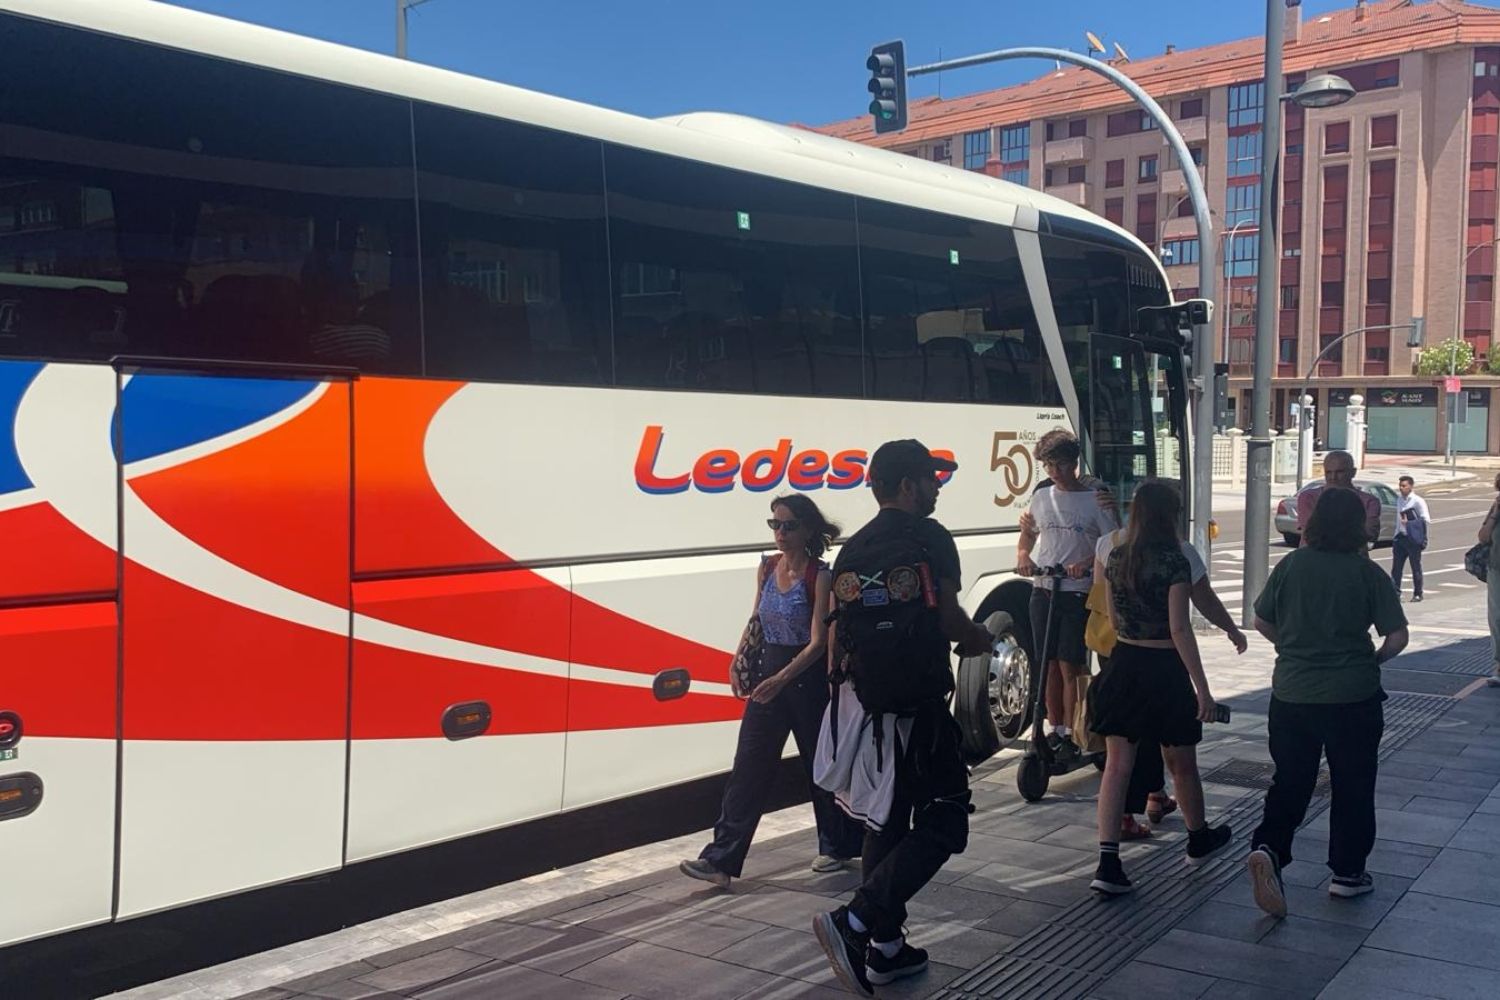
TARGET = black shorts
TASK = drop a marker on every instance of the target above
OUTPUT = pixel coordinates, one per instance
(1068, 621)
(1145, 694)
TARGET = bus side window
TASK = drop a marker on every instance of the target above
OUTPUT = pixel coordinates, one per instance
(515, 275)
(725, 281)
(223, 211)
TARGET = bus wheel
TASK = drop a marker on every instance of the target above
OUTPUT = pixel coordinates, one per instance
(993, 697)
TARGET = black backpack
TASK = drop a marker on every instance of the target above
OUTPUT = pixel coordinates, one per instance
(889, 636)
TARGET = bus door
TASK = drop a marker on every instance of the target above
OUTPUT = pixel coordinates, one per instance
(236, 517)
(1122, 434)
(58, 648)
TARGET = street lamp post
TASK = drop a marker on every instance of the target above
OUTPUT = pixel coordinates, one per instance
(402, 6)
(1318, 92)
(1203, 417)
(1304, 446)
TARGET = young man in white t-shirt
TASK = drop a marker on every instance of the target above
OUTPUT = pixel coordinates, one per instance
(1065, 523)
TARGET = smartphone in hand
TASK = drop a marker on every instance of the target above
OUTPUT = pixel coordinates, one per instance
(1221, 712)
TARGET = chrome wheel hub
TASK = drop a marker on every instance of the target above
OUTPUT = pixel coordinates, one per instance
(1009, 681)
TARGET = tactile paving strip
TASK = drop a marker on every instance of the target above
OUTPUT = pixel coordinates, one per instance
(1472, 657)
(1087, 941)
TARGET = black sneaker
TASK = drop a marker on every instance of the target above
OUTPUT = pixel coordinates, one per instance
(1349, 886)
(704, 871)
(1265, 881)
(1110, 879)
(1416, 599)
(1205, 843)
(908, 961)
(845, 948)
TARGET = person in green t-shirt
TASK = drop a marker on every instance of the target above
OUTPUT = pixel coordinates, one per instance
(1317, 608)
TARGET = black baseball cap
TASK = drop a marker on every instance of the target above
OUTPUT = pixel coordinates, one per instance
(906, 459)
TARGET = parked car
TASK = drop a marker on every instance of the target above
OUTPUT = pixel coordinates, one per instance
(1286, 513)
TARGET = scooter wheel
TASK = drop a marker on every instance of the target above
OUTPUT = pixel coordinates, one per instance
(1032, 779)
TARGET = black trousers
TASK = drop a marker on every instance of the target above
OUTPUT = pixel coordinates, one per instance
(1300, 735)
(1401, 550)
(798, 712)
(1149, 775)
(929, 823)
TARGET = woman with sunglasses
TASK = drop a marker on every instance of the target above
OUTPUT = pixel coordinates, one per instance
(787, 697)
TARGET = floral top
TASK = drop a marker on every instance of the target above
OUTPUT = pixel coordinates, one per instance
(1142, 612)
(786, 618)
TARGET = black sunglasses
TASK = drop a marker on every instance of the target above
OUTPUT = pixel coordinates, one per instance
(776, 525)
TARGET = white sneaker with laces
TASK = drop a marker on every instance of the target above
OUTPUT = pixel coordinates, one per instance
(826, 863)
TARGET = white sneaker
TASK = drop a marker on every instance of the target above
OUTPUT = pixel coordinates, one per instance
(826, 863)
(1493, 680)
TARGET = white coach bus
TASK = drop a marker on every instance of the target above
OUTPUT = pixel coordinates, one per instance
(390, 450)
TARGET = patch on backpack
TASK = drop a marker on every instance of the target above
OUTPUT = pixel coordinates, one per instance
(875, 596)
(846, 587)
(904, 583)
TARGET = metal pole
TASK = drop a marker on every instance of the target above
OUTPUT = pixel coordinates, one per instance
(1258, 486)
(400, 29)
(1203, 334)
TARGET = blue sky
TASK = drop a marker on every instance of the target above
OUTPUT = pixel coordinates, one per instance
(783, 60)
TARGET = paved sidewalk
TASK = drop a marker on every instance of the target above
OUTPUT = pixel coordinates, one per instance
(1012, 916)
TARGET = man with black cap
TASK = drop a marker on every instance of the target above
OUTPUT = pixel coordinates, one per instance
(928, 819)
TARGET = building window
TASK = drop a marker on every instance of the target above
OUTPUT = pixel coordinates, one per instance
(1377, 354)
(1078, 174)
(1291, 296)
(1174, 252)
(1292, 252)
(1147, 171)
(976, 149)
(1336, 137)
(1383, 132)
(1242, 256)
(1242, 205)
(1017, 175)
(1244, 155)
(1191, 108)
(1125, 123)
(1372, 76)
(1114, 174)
(1246, 104)
(1195, 153)
(1078, 128)
(1147, 122)
(942, 152)
(1015, 144)
(1145, 219)
(1114, 210)
(1287, 351)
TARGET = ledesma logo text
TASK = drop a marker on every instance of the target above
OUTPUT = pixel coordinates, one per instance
(721, 470)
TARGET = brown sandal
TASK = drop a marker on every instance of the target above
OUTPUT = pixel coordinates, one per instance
(1159, 805)
(1132, 829)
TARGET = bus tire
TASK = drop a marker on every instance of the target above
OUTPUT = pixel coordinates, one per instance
(994, 692)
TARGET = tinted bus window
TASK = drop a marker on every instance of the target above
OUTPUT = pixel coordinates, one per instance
(948, 316)
(161, 203)
(515, 272)
(726, 281)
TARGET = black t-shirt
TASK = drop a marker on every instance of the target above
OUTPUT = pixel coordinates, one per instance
(942, 554)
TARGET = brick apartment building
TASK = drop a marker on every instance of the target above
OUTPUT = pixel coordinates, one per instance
(1388, 202)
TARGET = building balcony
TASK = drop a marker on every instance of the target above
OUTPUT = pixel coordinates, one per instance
(1192, 130)
(1077, 193)
(1174, 182)
(1179, 227)
(1079, 149)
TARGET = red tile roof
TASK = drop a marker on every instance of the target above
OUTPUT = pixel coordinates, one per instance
(1389, 28)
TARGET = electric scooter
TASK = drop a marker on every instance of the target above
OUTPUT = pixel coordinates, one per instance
(1040, 765)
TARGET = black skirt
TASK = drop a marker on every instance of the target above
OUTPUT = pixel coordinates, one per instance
(1145, 693)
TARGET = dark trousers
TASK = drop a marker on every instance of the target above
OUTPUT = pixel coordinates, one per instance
(1149, 775)
(1401, 550)
(797, 711)
(1300, 735)
(929, 823)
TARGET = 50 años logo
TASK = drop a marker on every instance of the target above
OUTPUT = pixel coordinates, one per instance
(1014, 463)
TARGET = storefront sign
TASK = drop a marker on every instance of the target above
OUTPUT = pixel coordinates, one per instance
(1403, 397)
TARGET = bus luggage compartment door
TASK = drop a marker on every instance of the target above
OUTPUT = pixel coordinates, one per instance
(236, 501)
(58, 648)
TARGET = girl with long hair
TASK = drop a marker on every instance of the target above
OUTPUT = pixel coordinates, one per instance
(1153, 687)
(787, 697)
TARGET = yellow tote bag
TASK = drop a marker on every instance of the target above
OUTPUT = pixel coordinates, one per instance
(1098, 633)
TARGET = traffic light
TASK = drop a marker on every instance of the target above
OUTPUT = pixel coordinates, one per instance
(1221, 396)
(1417, 332)
(887, 66)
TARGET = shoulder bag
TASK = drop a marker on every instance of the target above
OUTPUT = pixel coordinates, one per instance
(1098, 632)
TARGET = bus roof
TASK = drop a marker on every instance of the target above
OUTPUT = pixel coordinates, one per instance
(730, 141)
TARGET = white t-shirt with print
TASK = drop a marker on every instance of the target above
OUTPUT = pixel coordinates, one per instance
(1068, 524)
